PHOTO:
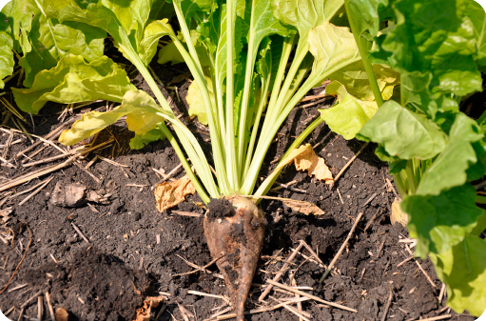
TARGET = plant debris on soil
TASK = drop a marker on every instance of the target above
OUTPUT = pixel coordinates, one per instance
(100, 256)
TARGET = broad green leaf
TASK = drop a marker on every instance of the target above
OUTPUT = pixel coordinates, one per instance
(45, 41)
(132, 14)
(463, 270)
(442, 221)
(345, 118)
(475, 12)
(356, 81)
(441, 44)
(140, 109)
(196, 103)
(154, 31)
(7, 62)
(140, 140)
(305, 14)
(74, 80)
(333, 48)
(60, 41)
(416, 90)
(126, 21)
(449, 169)
(348, 116)
(403, 133)
(367, 12)
(263, 23)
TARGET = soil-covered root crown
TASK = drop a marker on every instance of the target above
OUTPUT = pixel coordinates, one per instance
(234, 228)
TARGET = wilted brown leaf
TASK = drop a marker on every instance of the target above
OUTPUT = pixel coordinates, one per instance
(143, 313)
(397, 215)
(169, 194)
(315, 165)
(62, 314)
(303, 207)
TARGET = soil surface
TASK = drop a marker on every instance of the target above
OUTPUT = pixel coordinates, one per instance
(100, 260)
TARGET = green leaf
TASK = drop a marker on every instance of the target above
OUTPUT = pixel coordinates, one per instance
(416, 90)
(126, 21)
(356, 81)
(348, 116)
(154, 31)
(333, 48)
(140, 140)
(442, 221)
(463, 270)
(170, 53)
(140, 109)
(7, 62)
(132, 14)
(45, 41)
(449, 169)
(403, 133)
(443, 44)
(345, 118)
(74, 80)
(368, 12)
(305, 14)
(475, 12)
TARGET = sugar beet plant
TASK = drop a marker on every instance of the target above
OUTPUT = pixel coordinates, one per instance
(434, 150)
(252, 61)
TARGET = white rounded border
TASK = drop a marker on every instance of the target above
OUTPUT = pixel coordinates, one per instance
(2, 4)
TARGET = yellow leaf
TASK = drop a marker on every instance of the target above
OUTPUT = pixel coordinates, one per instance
(303, 207)
(196, 102)
(313, 164)
(170, 194)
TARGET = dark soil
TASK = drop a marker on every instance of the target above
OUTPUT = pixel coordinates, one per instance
(133, 251)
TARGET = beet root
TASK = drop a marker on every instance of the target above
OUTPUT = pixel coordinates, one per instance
(234, 228)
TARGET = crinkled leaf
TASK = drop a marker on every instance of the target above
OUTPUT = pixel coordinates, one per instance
(143, 115)
(462, 269)
(45, 41)
(169, 194)
(441, 44)
(140, 140)
(403, 133)
(348, 116)
(416, 90)
(307, 160)
(74, 80)
(449, 169)
(125, 21)
(442, 221)
(49, 45)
